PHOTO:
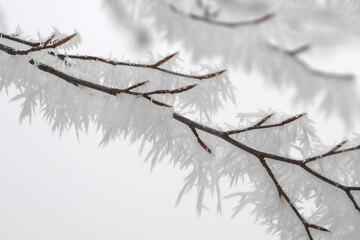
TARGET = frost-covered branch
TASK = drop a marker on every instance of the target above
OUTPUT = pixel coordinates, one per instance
(259, 125)
(322, 74)
(208, 20)
(202, 144)
(74, 94)
(79, 82)
(37, 46)
(293, 54)
(248, 45)
(282, 194)
(155, 66)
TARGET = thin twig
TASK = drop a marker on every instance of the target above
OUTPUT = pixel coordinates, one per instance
(293, 54)
(202, 144)
(175, 91)
(299, 50)
(136, 85)
(165, 59)
(46, 45)
(139, 65)
(333, 151)
(221, 23)
(49, 40)
(19, 40)
(262, 121)
(260, 126)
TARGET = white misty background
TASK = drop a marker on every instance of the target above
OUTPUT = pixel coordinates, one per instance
(60, 188)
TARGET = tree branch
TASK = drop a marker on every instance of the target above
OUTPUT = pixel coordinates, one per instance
(150, 66)
(293, 54)
(224, 135)
(202, 144)
(165, 59)
(36, 46)
(333, 151)
(175, 91)
(136, 85)
(282, 193)
(46, 45)
(221, 23)
(19, 40)
(299, 50)
(260, 126)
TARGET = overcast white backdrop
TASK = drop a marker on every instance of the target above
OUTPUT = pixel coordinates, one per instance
(59, 188)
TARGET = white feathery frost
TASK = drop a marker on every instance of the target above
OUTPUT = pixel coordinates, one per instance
(154, 103)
